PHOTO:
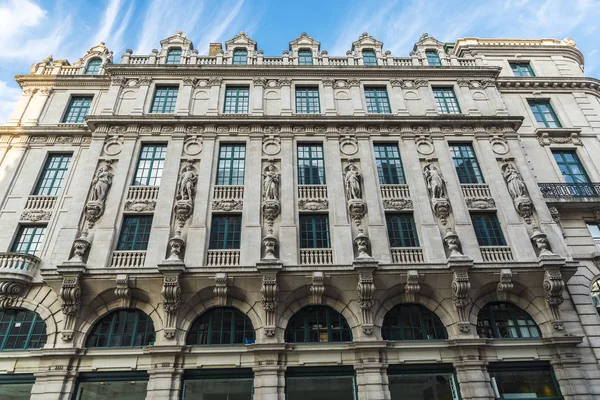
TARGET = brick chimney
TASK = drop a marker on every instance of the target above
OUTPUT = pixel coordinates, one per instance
(214, 49)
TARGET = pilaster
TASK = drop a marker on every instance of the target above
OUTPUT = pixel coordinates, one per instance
(164, 382)
(184, 97)
(139, 106)
(108, 102)
(251, 222)
(288, 233)
(21, 106)
(33, 112)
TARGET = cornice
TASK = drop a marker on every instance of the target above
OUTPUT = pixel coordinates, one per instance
(551, 83)
(99, 81)
(524, 50)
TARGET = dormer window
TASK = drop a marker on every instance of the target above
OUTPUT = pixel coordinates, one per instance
(433, 58)
(93, 67)
(369, 58)
(173, 56)
(240, 57)
(305, 57)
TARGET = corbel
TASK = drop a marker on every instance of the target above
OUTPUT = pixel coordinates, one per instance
(412, 287)
(220, 290)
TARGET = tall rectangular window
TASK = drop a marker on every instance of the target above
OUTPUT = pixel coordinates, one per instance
(305, 57)
(465, 162)
(570, 166)
(401, 230)
(135, 232)
(78, 108)
(311, 164)
(237, 99)
(165, 99)
(521, 69)
(307, 100)
(29, 239)
(377, 100)
(232, 163)
(53, 175)
(225, 232)
(389, 164)
(445, 100)
(595, 232)
(314, 231)
(487, 229)
(544, 113)
(433, 58)
(173, 56)
(240, 57)
(369, 58)
(150, 165)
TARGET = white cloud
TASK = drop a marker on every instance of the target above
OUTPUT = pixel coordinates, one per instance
(216, 30)
(8, 98)
(108, 21)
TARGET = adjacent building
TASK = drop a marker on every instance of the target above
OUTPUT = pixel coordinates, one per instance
(238, 226)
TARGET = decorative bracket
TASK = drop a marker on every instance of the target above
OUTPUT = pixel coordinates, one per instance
(553, 291)
(460, 297)
(171, 292)
(318, 287)
(220, 290)
(122, 291)
(412, 287)
(70, 294)
(269, 300)
(506, 285)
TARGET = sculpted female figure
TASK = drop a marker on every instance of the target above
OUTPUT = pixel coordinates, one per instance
(353, 184)
(271, 183)
(187, 183)
(514, 181)
(101, 183)
(435, 182)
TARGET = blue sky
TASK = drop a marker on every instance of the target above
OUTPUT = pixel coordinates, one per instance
(30, 30)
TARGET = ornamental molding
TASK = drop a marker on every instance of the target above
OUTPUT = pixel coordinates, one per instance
(49, 140)
(547, 138)
(313, 205)
(480, 203)
(397, 204)
(140, 205)
(227, 205)
(36, 215)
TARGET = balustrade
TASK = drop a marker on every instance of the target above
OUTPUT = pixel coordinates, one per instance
(316, 256)
(223, 258)
(18, 266)
(496, 254)
(407, 255)
(477, 191)
(312, 192)
(128, 259)
(140, 193)
(227, 192)
(570, 190)
(395, 192)
(40, 202)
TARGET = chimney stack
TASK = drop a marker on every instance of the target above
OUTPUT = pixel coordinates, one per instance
(214, 49)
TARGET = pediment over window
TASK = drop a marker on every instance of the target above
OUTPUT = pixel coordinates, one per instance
(99, 51)
(305, 42)
(427, 42)
(366, 42)
(241, 41)
(178, 40)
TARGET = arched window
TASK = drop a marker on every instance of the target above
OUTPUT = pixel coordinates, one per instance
(595, 292)
(240, 56)
(21, 329)
(123, 328)
(504, 321)
(412, 322)
(173, 56)
(317, 324)
(223, 325)
(93, 67)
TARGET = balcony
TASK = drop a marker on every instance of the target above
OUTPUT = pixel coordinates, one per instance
(312, 197)
(18, 267)
(141, 198)
(407, 255)
(496, 254)
(316, 256)
(478, 196)
(576, 194)
(223, 258)
(40, 202)
(396, 197)
(128, 259)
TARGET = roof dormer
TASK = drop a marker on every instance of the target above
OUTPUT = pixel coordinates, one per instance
(94, 60)
(239, 43)
(367, 49)
(305, 43)
(177, 45)
(429, 44)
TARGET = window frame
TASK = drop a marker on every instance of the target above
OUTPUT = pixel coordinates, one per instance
(317, 235)
(375, 102)
(96, 67)
(36, 321)
(433, 55)
(497, 320)
(55, 188)
(156, 164)
(444, 103)
(386, 152)
(170, 59)
(535, 109)
(371, 56)
(491, 238)
(395, 370)
(19, 234)
(306, 99)
(231, 171)
(584, 177)
(239, 58)
(148, 336)
(595, 294)
(209, 318)
(400, 227)
(520, 67)
(313, 156)
(82, 110)
(305, 57)
(410, 310)
(499, 367)
(468, 171)
(237, 102)
(109, 376)
(231, 232)
(320, 372)
(313, 312)
(142, 230)
(167, 103)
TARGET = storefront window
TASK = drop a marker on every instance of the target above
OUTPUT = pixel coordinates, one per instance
(112, 386)
(223, 384)
(523, 381)
(418, 382)
(335, 383)
(16, 387)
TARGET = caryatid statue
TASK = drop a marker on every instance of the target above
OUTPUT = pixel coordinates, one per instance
(101, 183)
(271, 183)
(353, 183)
(436, 184)
(514, 181)
(187, 183)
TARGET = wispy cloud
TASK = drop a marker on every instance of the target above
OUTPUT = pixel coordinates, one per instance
(216, 30)
(108, 21)
(8, 98)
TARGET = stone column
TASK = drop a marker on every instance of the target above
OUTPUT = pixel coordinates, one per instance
(251, 241)
(213, 102)
(54, 384)
(32, 115)
(164, 383)
(288, 233)
(269, 381)
(197, 233)
(257, 95)
(356, 97)
(398, 104)
(161, 219)
(184, 97)
(21, 107)
(371, 380)
(286, 96)
(466, 102)
(474, 380)
(108, 102)
(140, 101)
(328, 96)
(341, 234)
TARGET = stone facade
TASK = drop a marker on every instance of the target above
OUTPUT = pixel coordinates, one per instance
(78, 276)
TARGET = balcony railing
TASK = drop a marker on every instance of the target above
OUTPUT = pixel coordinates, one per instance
(141, 193)
(316, 256)
(223, 258)
(496, 253)
(312, 192)
(128, 259)
(227, 192)
(407, 255)
(476, 190)
(18, 266)
(395, 192)
(569, 190)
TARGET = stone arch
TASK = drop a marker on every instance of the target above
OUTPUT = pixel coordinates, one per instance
(205, 300)
(427, 297)
(42, 300)
(106, 302)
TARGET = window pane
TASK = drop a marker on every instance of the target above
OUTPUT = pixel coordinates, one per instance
(223, 325)
(231, 166)
(465, 163)
(173, 56)
(377, 100)
(505, 321)
(317, 324)
(445, 100)
(15, 391)
(240, 56)
(53, 175)
(29, 239)
(115, 390)
(21, 329)
(487, 229)
(307, 100)
(522, 69)
(237, 100)
(225, 232)
(421, 386)
(314, 231)
(433, 58)
(544, 113)
(369, 58)
(150, 165)
(165, 99)
(321, 387)
(401, 230)
(123, 328)
(78, 108)
(135, 232)
(93, 67)
(311, 165)
(525, 383)
(305, 57)
(217, 389)
(389, 164)
(412, 322)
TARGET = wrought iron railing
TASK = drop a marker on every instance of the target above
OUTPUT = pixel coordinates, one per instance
(570, 190)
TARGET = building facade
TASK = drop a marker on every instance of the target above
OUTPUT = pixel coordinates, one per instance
(239, 226)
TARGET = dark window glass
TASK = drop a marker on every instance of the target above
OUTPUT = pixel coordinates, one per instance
(326, 384)
(16, 386)
(240, 56)
(307, 100)
(150, 165)
(524, 382)
(305, 57)
(222, 385)
(237, 100)
(173, 56)
(165, 99)
(223, 325)
(377, 100)
(433, 58)
(231, 168)
(369, 58)
(412, 322)
(522, 69)
(78, 108)
(544, 113)
(595, 292)
(445, 100)
(505, 321)
(21, 329)
(225, 232)
(93, 67)
(53, 175)
(314, 231)
(316, 324)
(135, 233)
(29, 239)
(465, 163)
(422, 382)
(311, 165)
(123, 328)
(487, 229)
(401, 230)
(389, 164)
(570, 166)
